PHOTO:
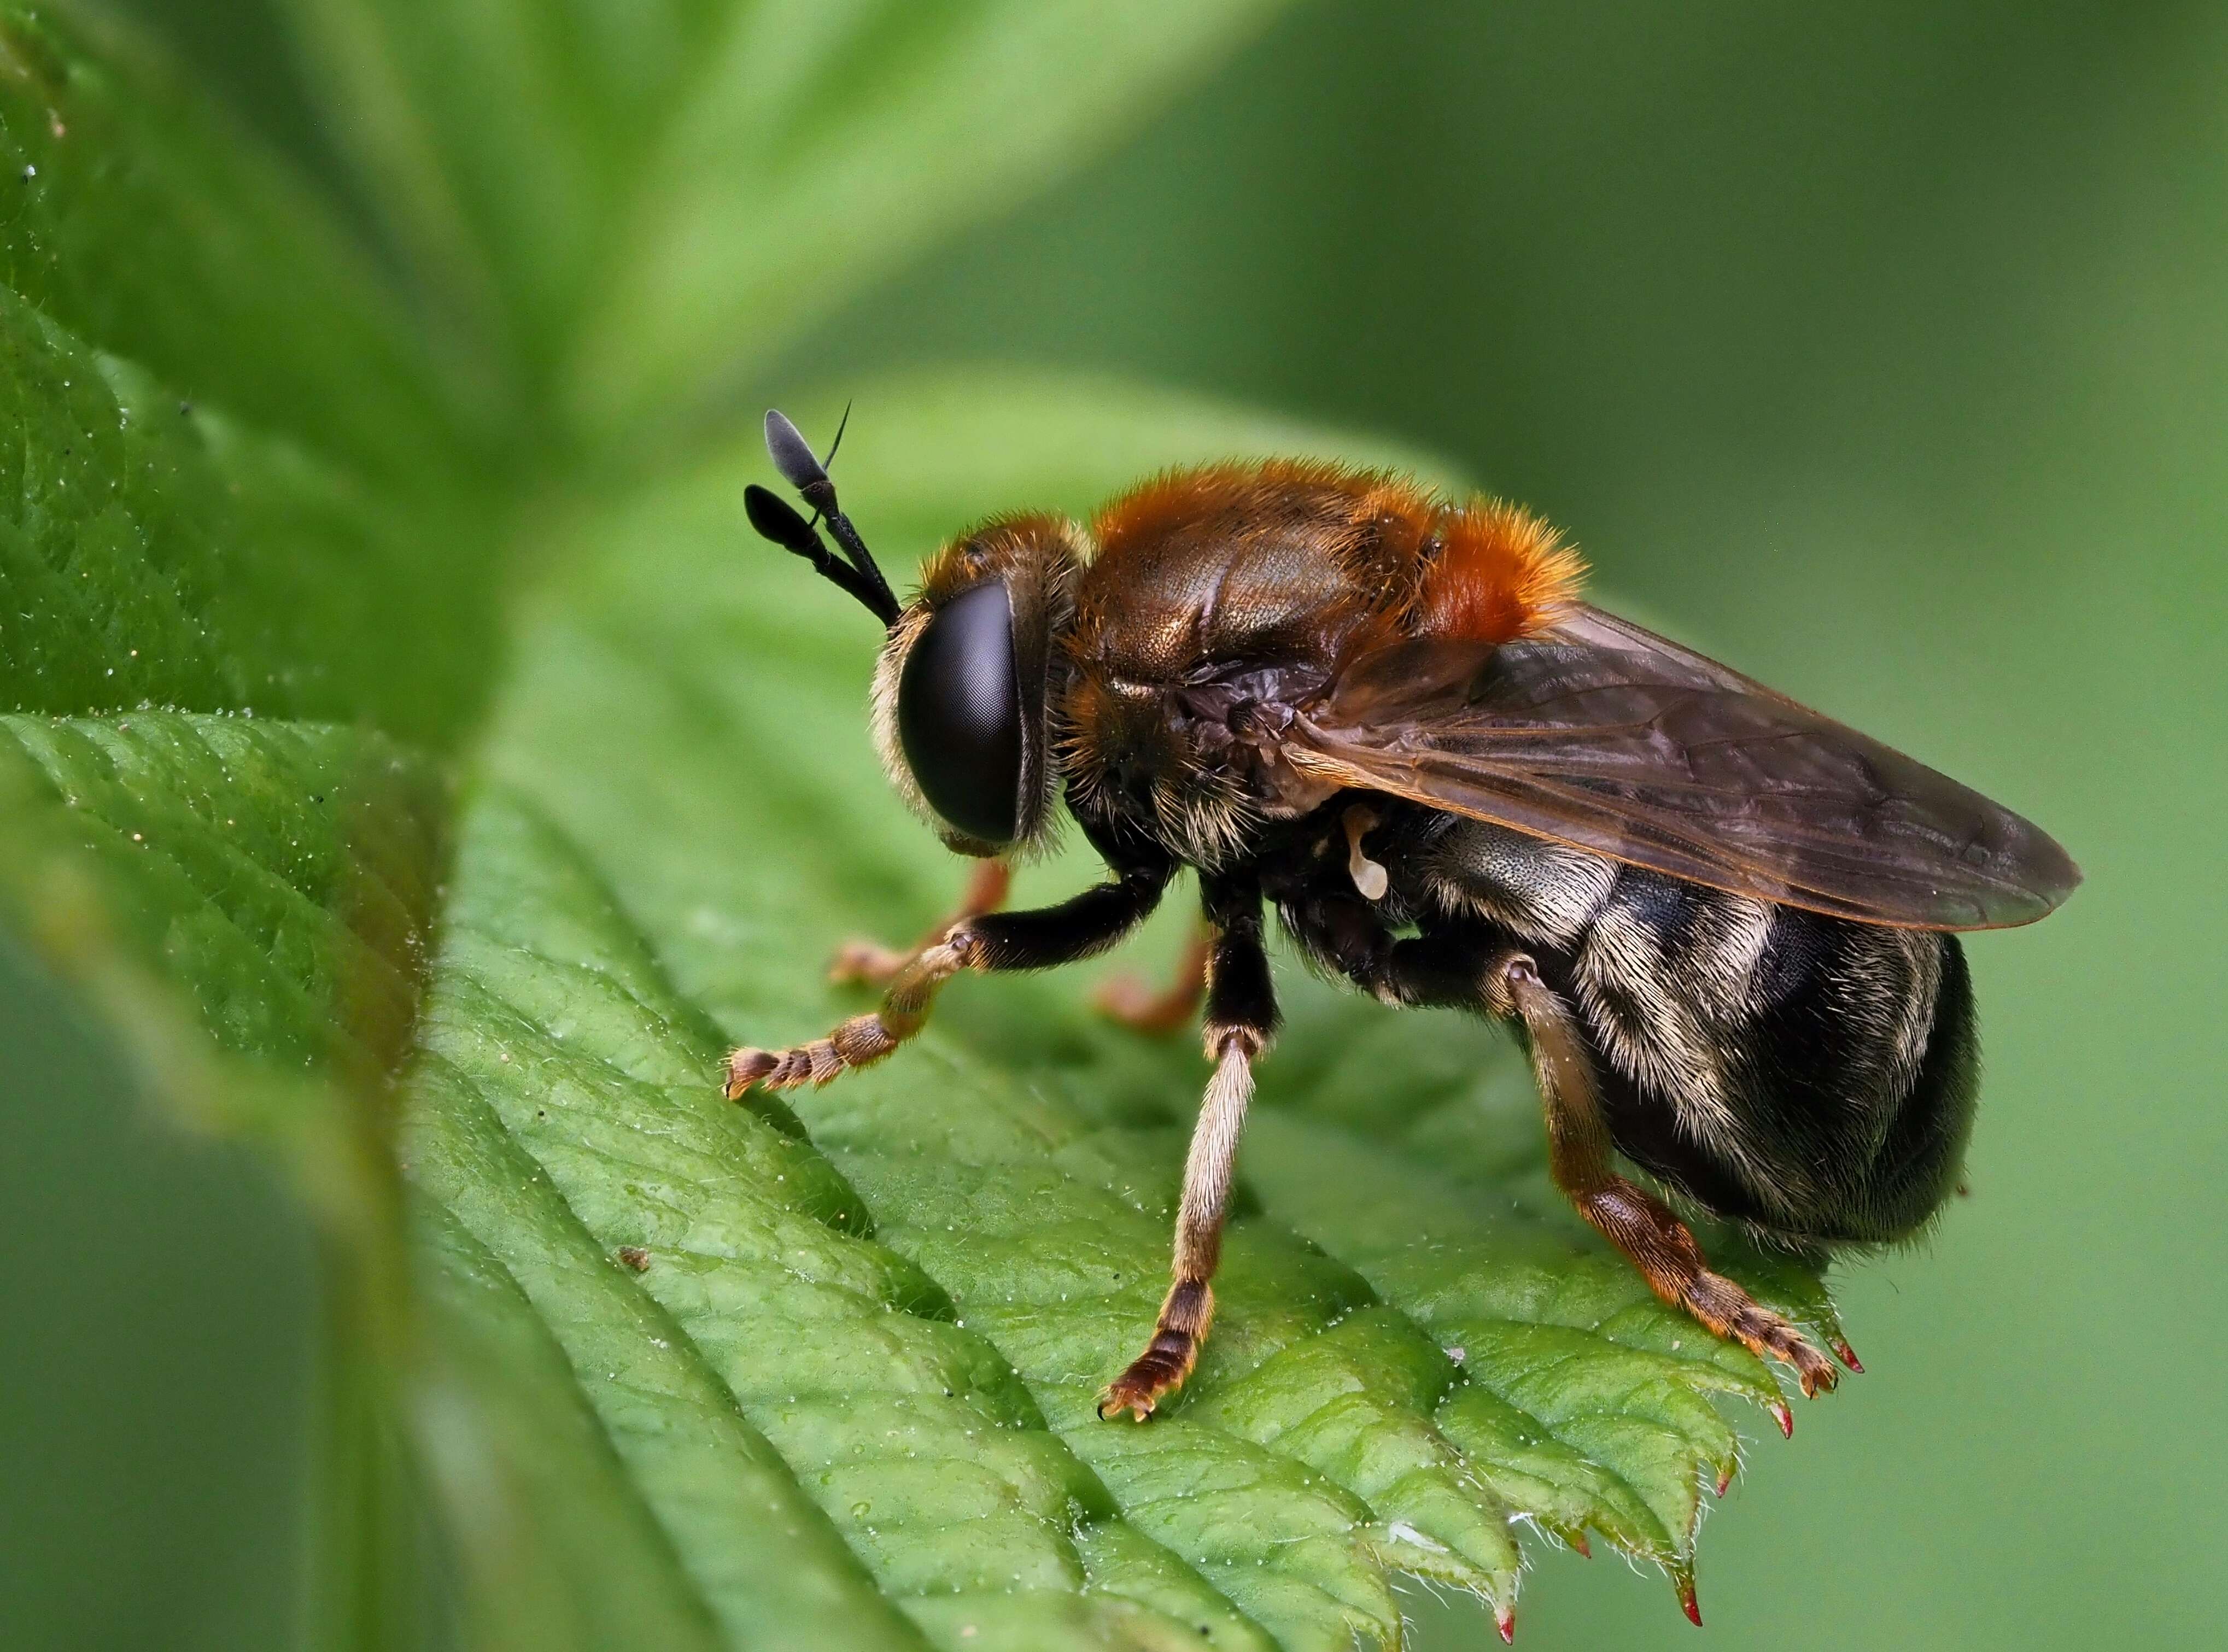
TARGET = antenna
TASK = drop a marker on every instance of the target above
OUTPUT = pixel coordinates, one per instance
(775, 519)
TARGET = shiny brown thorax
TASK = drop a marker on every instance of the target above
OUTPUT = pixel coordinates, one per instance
(1219, 602)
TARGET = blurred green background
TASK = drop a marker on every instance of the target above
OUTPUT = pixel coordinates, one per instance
(1883, 352)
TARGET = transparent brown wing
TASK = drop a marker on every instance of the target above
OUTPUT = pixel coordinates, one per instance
(1603, 735)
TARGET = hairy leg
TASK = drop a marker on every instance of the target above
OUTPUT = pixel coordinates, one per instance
(1078, 927)
(1456, 969)
(877, 965)
(863, 1039)
(1628, 1217)
(1241, 1019)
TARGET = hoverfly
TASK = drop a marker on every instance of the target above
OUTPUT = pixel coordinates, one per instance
(1723, 925)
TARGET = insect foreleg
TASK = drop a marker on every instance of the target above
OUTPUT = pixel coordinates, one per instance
(1078, 927)
(877, 965)
(1241, 1019)
(1628, 1217)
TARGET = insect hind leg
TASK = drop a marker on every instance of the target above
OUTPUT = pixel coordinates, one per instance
(1640, 1225)
(1487, 970)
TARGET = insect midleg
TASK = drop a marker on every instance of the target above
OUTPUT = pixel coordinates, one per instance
(1138, 1005)
(877, 965)
(1628, 1217)
(1039, 939)
(1241, 1019)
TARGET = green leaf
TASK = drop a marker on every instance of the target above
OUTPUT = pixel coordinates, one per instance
(210, 400)
(636, 205)
(912, 1300)
(682, 1373)
(568, 1556)
(280, 870)
(157, 552)
(141, 220)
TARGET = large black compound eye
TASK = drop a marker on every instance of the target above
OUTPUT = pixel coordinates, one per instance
(959, 714)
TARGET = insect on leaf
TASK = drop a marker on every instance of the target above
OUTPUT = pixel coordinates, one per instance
(350, 879)
(911, 1287)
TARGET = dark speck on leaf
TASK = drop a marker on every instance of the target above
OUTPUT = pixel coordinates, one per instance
(635, 1256)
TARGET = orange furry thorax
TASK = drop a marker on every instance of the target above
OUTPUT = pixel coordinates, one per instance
(1413, 562)
(1501, 572)
(1281, 575)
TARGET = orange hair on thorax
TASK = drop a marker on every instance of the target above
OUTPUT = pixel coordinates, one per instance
(1246, 493)
(1500, 573)
(1482, 572)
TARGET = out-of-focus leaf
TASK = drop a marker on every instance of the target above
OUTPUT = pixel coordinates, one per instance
(904, 1317)
(157, 552)
(152, 228)
(211, 406)
(638, 203)
(280, 874)
(248, 904)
